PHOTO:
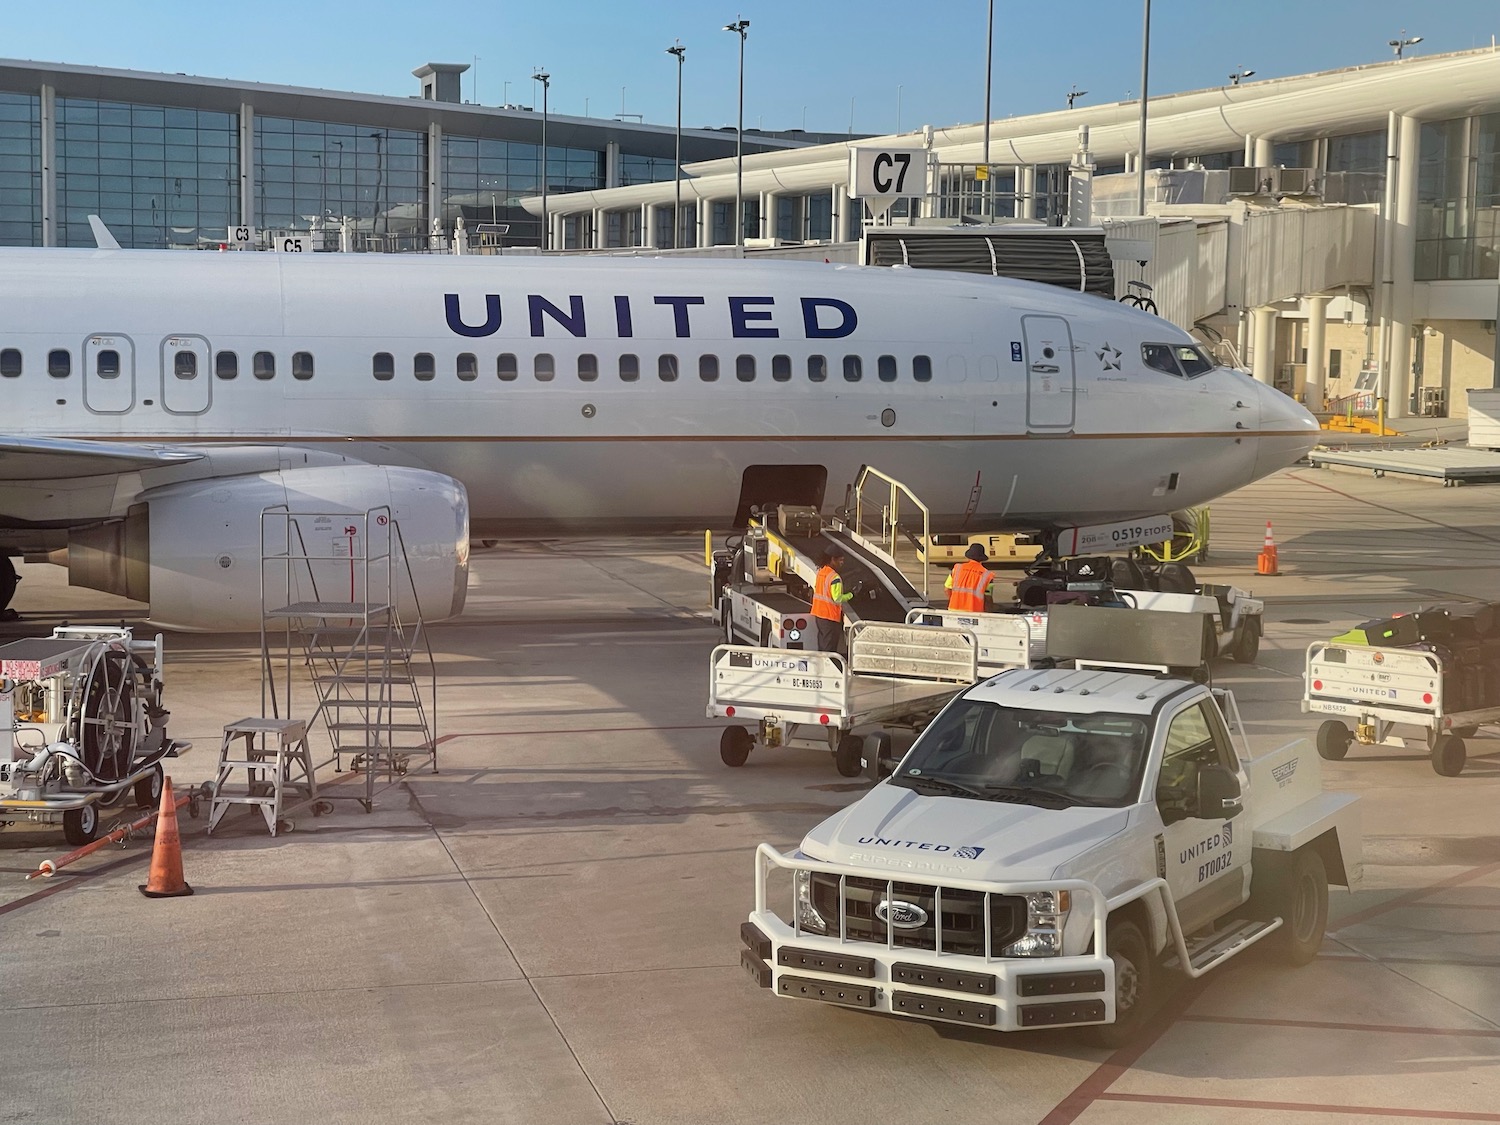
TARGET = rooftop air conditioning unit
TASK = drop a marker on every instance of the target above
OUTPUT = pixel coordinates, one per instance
(1293, 181)
(1250, 181)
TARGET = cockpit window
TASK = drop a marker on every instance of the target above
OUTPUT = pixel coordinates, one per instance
(1159, 357)
(1194, 360)
(1048, 758)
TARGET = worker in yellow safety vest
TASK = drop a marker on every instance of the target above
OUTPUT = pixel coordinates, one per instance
(968, 582)
(829, 599)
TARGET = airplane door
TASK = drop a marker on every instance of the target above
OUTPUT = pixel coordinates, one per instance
(1050, 378)
(185, 382)
(108, 374)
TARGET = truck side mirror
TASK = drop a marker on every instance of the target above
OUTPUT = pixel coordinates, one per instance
(1218, 793)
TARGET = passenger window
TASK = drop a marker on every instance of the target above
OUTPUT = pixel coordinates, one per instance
(107, 364)
(630, 368)
(854, 368)
(302, 365)
(781, 368)
(59, 363)
(265, 365)
(10, 362)
(588, 367)
(544, 367)
(817, 368)
(708, 368)
(921, 368)
(1158, 357)
(424, 367)
(506, 367)
(885, 368)
(227, 365)
(383, 365)
(744, 368)
(666, 368)
(185, 365)
(468, 366)
(1193, 361)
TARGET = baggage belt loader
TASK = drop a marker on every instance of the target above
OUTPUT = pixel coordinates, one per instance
(1052, 843)
(82, 726)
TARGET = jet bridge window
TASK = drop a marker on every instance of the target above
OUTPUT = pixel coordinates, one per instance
(921, 368)
(854, 368)
(781, 368)
(666, 368)
(588, 367)
(708, 368)
(302, 365)
(264, 365)
(468, 366)
(544, 367)
(383, 366)
(10, 362)
(505, 367)
(885, 367)
(817, 368)
(107, 364)
(630, 368)
(424, 367)
(227, 365)
(185, 365)
(59, 363)
(744, 368)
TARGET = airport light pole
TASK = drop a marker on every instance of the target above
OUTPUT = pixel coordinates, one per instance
(989, 59)
(1074, 94)
(1402, 42)
(681, 52)
(740, 26)
(1140, 157)
(1234, 79)
(546, 80)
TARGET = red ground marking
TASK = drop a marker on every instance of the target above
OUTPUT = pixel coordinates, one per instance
(1385, 1028)
(1396, 511)
(1304, 1107)
(1411, 896)
(69, 882)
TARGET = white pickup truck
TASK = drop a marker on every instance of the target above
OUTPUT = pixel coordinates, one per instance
(1052, 842)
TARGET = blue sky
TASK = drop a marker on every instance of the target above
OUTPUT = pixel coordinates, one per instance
(809, 62)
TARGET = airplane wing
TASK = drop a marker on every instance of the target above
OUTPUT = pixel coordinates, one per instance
(61, 459)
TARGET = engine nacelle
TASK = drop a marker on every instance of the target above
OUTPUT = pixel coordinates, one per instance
(202, 545)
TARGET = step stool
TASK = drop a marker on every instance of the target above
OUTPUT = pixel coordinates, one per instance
(277, 764)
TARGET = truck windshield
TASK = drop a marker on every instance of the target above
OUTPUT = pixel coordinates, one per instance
(1049, 758)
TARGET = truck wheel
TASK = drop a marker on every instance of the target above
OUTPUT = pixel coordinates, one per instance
(728, 616)
(1449, 755)
(849, 755)
(148, 789)
(80, 826)
(1293, 888)
(877, 747)
(1333, 740)
(1135, 970)
(1465, 732)
(1247, 643)
(734, 746)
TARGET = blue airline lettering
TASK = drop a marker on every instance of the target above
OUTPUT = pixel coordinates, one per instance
(740, 316)
(680, 312)
(815, 330)
(622, 318)
(571, 320)
(491, 323)
(749, 317)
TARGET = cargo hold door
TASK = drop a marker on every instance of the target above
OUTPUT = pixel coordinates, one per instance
(1051, 382)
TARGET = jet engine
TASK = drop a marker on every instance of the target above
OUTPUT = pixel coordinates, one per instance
(193, 549)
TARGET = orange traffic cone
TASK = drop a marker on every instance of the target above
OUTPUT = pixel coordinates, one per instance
(165, 880)
(1265, 562)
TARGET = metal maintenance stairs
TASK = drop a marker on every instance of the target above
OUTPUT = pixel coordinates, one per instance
(1205, 950)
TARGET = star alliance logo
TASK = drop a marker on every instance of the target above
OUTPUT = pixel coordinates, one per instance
(1110, 357)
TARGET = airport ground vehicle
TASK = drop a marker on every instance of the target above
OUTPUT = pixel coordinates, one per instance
(81, 727)
(1381, 687)
(1052, 842)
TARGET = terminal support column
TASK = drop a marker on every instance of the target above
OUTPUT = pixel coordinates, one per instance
(435, 208)
(49, 165)
(1263, 350)
(648, 225)
(248, 217)
(1402, 254)
(1317, 350)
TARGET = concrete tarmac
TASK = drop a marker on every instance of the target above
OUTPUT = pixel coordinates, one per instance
(546, 932)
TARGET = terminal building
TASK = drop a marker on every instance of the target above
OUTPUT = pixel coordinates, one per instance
(1336, 232)
(171, 161)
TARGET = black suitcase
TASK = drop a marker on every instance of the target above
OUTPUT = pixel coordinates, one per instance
(1397, 632)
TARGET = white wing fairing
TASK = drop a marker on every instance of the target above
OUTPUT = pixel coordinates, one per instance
(598, 394)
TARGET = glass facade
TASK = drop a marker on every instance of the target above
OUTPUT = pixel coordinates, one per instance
(20, 170)
(158, 176)
(1458, 199)
(644, 169)
(484, 180)
(371, 175)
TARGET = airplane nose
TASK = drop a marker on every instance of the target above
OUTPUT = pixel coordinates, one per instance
(1288, 430)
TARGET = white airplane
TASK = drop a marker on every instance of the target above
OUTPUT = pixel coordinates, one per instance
(155, 402)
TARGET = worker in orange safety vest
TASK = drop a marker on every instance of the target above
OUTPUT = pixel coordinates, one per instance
(968, 582)
(829, 599)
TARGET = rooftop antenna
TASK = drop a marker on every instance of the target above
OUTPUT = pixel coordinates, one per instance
(1074, 94)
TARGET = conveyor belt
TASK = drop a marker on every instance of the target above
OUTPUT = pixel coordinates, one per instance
(875, 602)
